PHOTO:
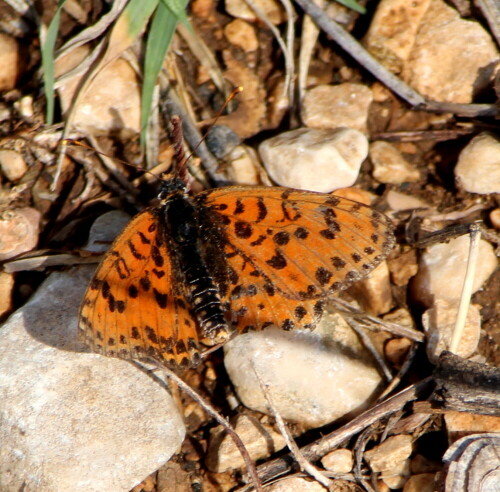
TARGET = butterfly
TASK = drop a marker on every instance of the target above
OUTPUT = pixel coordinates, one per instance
(196, 269)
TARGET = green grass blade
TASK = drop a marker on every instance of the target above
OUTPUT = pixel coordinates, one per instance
(353, 5)
(48, 45)
(160, 35)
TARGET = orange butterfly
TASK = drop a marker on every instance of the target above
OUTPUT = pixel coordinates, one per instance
(230, 259)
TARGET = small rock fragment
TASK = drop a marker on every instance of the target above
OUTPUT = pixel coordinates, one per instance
(403, 267)
(241, 10)
(9, 61)
(244, 167)
(295, 484)
(399, 202)
(442, 270)
(390, 453)
(374, 292)
(338, 461)
(424, 482)
(396, 477)
(390, 166)
(12, 164)
(478, 166)
(495, 218)
(397, 349)
(461, 424)
(439, 322)
(113, 101)
(241, 34)
(6, 287)
(260, 440)
(19, 231)
(337, 106)
(317, 160)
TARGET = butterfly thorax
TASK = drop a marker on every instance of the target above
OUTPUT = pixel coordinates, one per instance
(183, 239)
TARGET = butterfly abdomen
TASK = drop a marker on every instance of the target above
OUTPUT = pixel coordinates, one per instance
(183, 238)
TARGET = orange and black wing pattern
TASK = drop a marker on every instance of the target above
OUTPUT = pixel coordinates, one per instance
(287, 250)
(136, 307)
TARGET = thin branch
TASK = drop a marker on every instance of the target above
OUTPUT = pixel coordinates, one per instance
(465, 298)
(305, 465)
(208, 408)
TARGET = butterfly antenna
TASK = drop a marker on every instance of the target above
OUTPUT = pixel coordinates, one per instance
(178, 143)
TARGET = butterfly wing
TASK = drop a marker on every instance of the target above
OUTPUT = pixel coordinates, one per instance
(133, 308)
(286, 250)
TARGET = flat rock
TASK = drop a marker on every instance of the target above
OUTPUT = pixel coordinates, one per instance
(76, 421)
(442, 270)
(317, 160)
(337, 106)
(478, 166)
(313, 377)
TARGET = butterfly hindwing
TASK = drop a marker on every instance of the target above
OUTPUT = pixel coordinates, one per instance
(132, 309)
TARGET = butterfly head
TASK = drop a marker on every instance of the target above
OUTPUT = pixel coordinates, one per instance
(171, 185)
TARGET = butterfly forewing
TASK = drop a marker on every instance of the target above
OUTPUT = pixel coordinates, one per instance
(132, 309)
(291, 248)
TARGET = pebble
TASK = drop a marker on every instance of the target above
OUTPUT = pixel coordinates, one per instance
(396, 350)
(389, 165)
(241, 34)
(403, 267)
(9, 61)
(439, 323)
(6, 289)
(19, 230)
(495, 218)
(338, 461)
(424, 482)
(312, 159)
(244, 167)
(112, 101)
(448, 56)
(260, 440)
(240, 9)
(399, 202)
(12, 164)
(392, 452)
(312, 378)
(221, 140)
(76, 421)
(396, 477)
(442, 270)
(478, 166)
(295, 484)
(374, 293)
(437, 52)
(337, 106)
(461, 424)
(393, 29)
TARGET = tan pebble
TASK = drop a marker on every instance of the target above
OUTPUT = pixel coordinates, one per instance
(424, 482)
(390, 453)
(12, 164)
(356, 194)
(403, 267)
(241, 34)
(337, 106)
(9, 61)
(460, 424)
(19, 231)
(495, 218)
(272, 8)
(396, 477)
(439, 323)
(338, 461)
(397, 349)
(374, 292)
(389, 165)
(6, 287)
